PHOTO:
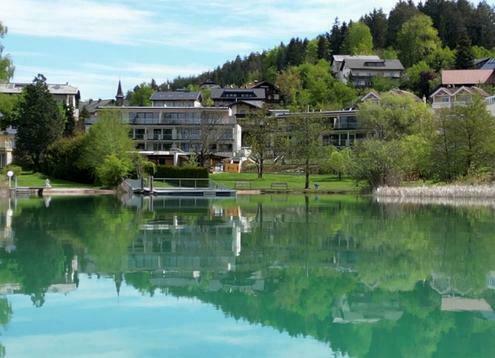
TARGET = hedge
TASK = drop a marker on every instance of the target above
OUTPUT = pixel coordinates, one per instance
(167, 171)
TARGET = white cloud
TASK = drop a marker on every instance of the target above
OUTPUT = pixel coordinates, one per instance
(96, 80)
(223, 25)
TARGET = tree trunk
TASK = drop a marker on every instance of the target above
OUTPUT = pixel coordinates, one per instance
(260, 169)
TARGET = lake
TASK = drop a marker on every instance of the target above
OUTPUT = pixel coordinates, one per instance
(259, 276)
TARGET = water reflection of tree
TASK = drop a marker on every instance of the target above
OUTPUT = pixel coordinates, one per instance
(312, 254)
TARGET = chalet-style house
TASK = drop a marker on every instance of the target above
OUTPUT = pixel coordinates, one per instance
(337, 60)
(360, 71)
(224, 97)
(272, 93)
(459, 78)
(449, 97)
(176, 99)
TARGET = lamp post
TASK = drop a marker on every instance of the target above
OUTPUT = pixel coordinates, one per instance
(10, 174)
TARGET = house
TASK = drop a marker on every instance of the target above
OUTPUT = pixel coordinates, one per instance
(449, 97)
(373, 96)
(338, 59)
(360, 72)
(272, 92)
(342, 128)
(209, 84)
(224, 97)
(485, 63)
(458, 78)
(176, 99)
(62, 93)
(92, 105)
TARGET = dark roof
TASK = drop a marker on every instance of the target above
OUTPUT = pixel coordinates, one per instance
(238, 93)
(176, 96)
(485, 63)
(366, 64)
(255, 103)
(262, 84)
(92, 105)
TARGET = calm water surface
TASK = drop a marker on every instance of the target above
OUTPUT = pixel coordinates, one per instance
(270, 276)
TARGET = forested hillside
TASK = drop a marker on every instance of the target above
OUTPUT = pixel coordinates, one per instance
(455, 21)
(428, 37)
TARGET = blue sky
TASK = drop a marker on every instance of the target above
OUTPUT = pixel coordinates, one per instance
(93, 43)
(93, 322)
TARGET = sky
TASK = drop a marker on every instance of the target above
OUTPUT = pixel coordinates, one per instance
(91, 44)
(93, 321)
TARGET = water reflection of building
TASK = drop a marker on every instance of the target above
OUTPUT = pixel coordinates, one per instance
(194, 237)
(6, 231)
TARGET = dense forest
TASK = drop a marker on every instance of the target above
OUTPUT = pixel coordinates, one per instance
(457, 23)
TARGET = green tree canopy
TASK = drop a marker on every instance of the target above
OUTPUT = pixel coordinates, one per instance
(358, 40)
(6, 66)
(108, 140)
(464, 58)
(395, 116)
(140, 95)
(313, 85)
(416, 40)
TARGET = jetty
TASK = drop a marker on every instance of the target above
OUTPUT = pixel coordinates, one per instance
(179, 187)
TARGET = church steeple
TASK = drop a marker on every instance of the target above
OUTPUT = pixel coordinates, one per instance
(119, 97)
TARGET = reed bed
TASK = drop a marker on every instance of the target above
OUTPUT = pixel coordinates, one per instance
(443, 191)
(455, 202)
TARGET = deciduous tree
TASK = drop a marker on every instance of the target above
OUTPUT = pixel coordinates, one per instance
(416, 40)
(358, 40)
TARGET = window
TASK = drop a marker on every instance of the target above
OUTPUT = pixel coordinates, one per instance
(143, 117)
(139, 133)
(167, 134)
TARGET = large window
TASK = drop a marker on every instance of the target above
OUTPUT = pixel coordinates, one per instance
(139, 133)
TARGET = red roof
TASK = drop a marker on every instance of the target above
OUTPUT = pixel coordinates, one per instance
(467, 77)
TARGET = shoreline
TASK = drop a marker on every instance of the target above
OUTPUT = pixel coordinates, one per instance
(440, 191)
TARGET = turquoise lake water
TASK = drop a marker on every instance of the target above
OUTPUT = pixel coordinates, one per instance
(261, 276)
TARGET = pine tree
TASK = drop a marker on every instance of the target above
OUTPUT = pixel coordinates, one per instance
(377, 22)
(336, 38)
(39, 123)
(323, 52)
(464, 58)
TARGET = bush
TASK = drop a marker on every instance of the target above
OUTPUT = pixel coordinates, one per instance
(15, 168)
(112, 171)
(63, 160)
(377, 162)
(166, 171)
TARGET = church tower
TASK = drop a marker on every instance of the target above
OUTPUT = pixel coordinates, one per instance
(119, 97)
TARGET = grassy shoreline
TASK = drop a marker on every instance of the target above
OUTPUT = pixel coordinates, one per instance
(295, 183)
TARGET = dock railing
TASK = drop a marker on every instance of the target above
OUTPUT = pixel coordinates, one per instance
(181, 183)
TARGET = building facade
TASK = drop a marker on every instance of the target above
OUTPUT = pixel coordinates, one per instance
(450, 97)
(159, 131)
(176, 99)
(360, 70)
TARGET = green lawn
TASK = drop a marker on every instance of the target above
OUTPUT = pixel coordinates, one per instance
(30, 179)
(295, 182)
